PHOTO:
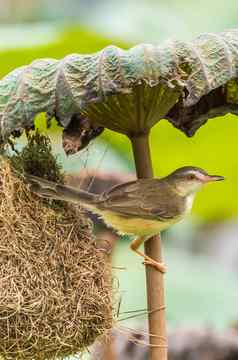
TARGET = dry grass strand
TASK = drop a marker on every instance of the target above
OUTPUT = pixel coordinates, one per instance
(55, 284)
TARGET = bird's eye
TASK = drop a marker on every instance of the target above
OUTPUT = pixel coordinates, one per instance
(191, 177)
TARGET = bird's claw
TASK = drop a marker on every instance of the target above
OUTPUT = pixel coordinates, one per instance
(161, 267)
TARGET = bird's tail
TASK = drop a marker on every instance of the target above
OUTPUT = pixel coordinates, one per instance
(52, 190)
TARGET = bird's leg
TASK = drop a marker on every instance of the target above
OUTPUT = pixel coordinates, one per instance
(148, 261)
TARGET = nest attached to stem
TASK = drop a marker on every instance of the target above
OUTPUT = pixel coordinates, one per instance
(55, 284)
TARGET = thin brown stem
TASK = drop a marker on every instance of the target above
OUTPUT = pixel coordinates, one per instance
(154, 279)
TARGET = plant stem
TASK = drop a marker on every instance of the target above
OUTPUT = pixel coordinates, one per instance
(154, 279)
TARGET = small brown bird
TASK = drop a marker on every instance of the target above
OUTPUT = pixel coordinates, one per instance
(142, 207)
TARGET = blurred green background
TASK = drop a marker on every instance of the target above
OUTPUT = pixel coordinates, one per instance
(202, 282)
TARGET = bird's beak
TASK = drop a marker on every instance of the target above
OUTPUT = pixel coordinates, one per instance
(210, 178)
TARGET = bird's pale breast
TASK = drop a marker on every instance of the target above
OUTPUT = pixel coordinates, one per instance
(135, 225)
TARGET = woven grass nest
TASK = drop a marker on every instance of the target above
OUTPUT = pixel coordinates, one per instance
(55, 284)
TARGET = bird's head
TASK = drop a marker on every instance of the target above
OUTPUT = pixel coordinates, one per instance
(189, 179)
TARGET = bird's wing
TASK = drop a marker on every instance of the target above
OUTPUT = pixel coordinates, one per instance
(146, 198)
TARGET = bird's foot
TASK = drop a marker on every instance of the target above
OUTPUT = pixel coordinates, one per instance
(161, 267)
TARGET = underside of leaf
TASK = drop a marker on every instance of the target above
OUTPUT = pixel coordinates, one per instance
(126, 91)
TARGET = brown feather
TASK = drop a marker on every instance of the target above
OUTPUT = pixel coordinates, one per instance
(145, 198)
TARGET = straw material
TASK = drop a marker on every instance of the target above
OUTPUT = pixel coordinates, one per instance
(55, 284)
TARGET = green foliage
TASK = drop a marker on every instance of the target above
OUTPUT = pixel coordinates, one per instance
(232, 91)
(126, 91)
(36, 158)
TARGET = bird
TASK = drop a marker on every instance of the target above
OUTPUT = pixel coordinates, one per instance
(141, 208)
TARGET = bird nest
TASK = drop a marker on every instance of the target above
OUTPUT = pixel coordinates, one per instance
(55, 284)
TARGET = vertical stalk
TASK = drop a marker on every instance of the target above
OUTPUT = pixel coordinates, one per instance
(154, 279)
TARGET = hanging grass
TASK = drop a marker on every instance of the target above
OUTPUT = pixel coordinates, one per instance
(55, 283)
